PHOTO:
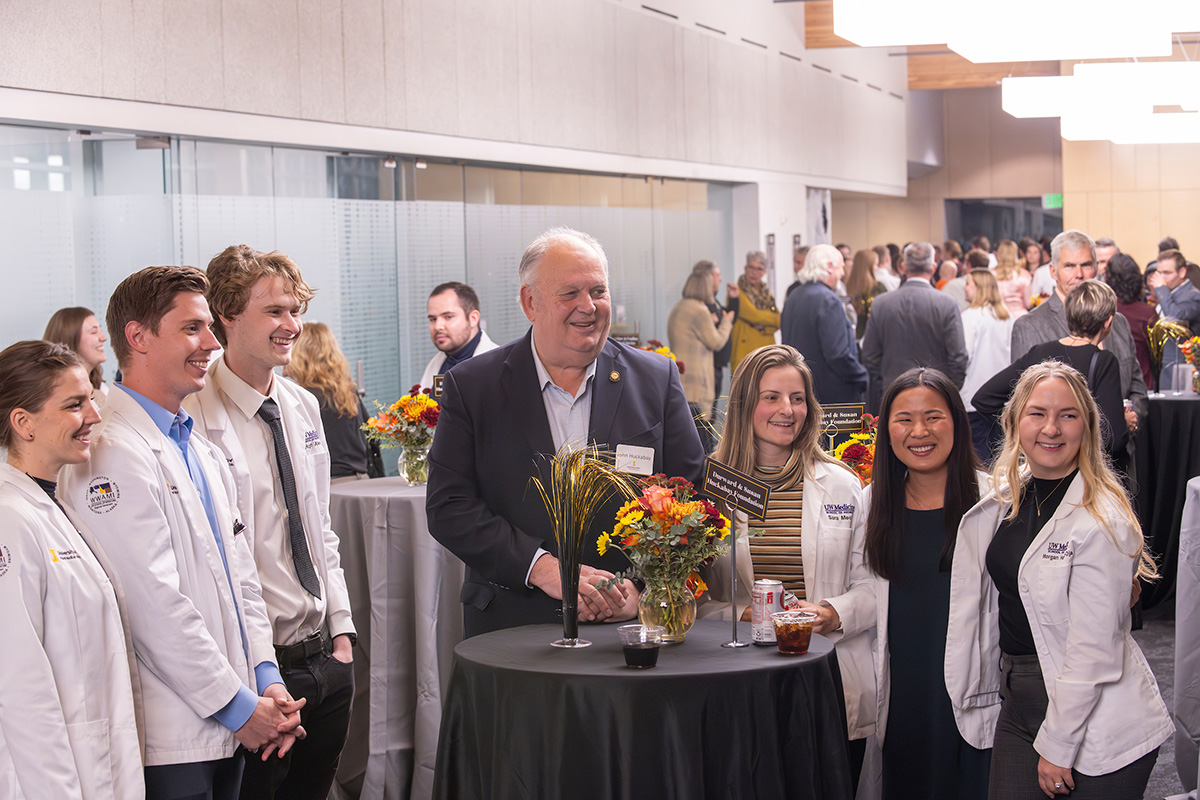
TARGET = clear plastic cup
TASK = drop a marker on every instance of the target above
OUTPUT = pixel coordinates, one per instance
(641, 644)
(793, 631)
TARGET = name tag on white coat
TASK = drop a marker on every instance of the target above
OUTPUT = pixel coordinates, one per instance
(636, 460)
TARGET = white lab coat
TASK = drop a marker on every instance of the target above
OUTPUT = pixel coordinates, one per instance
(832, 505)
(68, 721)
(1105, 709)
(187, 626)
(301, 417)
(439, 358)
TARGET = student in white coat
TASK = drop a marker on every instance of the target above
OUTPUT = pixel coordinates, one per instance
(159, 498)
(1039, 658)
(923, 481)
(68, 721)
(772, 432)
(257, 299)
(453, 312)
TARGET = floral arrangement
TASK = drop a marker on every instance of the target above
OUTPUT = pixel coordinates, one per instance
(407, 423)
(1191, 351)
(667, 534)
(1037, 300)
(655, 346)
(858, 452)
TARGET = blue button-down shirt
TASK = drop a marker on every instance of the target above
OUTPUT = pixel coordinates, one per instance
(178, 428)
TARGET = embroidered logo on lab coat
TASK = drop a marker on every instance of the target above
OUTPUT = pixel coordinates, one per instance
(1058, 551)
(102, 495)
(5, 559)
(839, 512)
(311, 439)
(63, 554)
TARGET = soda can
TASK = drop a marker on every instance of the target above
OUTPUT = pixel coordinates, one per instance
(766, 597)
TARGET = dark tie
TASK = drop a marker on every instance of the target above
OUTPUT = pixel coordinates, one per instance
(269, 411)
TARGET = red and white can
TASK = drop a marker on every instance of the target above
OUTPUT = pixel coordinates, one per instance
(766, 597)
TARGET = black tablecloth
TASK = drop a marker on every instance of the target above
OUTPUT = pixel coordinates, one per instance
(525, 720)
(1168, 455)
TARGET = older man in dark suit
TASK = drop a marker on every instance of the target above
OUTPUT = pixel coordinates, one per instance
(914, 326)
(815, 323)
(1073, 261)
(506, 412)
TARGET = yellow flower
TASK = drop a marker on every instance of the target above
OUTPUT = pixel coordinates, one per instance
(632, 517)
(602, 543)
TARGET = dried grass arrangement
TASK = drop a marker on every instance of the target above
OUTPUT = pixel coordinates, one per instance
(582, 479)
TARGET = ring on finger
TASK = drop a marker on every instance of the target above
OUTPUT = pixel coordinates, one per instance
(1058, 785)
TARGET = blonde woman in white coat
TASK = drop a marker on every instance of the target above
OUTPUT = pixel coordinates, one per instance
(1039, 662)
(68, 720)
(772, 432)
(923, 481)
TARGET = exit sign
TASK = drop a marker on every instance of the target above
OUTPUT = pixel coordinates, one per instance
(1052, 200)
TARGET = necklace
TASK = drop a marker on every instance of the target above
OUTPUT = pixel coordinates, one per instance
(1039, 503)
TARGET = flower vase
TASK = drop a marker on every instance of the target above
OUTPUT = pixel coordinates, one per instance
(672, 607)
(414, 464)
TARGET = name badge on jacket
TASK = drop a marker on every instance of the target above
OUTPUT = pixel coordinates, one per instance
(636, 460)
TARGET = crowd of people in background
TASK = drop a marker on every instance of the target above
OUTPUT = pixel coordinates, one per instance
(203, 636)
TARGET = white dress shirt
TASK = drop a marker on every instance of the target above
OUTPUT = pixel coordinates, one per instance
(293, 611)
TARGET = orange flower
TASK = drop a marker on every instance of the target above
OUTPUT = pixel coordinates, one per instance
(659, 499)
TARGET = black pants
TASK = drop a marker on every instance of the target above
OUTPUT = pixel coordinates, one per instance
(1014, 761)
(308, 770)
(201, 780)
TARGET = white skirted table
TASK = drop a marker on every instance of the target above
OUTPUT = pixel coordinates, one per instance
(404, 590)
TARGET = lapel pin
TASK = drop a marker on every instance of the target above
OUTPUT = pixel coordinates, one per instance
(614, 376)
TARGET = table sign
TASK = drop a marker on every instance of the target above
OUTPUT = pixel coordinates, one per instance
(631, 339)
(437, 386)
(842, 419)
(745, 494)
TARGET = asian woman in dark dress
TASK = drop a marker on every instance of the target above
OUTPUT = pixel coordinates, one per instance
(924, 480)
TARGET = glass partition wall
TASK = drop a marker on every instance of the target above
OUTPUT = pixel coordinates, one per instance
(81, 210)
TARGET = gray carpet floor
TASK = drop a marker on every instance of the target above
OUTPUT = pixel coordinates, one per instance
(1157, 640)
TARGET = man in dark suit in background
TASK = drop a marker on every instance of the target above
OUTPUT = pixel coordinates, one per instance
(814, 322)
(506, 412)
(913, 326)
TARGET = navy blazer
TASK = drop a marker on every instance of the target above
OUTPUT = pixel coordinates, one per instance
(493, 436)
(815, 323)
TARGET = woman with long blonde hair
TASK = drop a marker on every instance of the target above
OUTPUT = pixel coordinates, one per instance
(319, 366)
(1013, 281)
(772, 432)
(987, 330)
(1039, 663)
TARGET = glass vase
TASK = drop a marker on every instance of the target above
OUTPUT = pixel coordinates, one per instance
(672, 607)
(414, 464)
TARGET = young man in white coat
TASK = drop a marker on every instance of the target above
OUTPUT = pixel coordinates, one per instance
(269, 430)
(160, 500)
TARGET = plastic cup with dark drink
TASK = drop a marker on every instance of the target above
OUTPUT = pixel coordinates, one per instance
(793, 631)
(641, 644)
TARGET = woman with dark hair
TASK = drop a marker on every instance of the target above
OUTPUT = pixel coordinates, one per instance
(923, 482)
(1129, 284)
(772, 432)
(1039, 662)
(78, 328)
(319, 366)
(68, 724)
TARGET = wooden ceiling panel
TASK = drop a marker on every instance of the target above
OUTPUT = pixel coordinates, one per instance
(948, 70)
(818, 26)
